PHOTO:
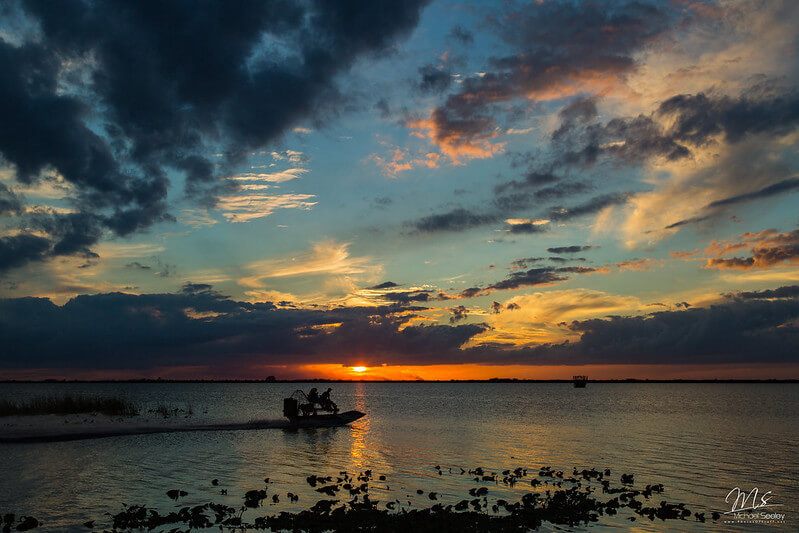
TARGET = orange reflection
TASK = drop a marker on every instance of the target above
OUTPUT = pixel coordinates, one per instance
(360, 429)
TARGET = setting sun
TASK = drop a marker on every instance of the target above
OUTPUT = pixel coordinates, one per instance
(359, 369)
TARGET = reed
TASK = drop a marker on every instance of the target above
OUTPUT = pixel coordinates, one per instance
(67, 405)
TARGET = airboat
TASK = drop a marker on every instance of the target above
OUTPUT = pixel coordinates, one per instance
(301, 412)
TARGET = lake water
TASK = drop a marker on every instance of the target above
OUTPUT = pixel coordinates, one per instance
(699, 440)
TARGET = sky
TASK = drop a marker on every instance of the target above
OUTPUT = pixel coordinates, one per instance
(399, 190)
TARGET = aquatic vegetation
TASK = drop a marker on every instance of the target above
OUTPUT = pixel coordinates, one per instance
(581, 499)
(25, 523)
(68, 405)
(167, 411)
(577, 503)
(174, 494)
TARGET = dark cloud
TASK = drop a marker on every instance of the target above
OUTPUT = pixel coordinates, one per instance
(10, 203)
(685, 222)
(17, 250)
(153, 87)
(742, 331)
(462, 35)
(557, 46)
(458, 313)
(531, 277)
(383, 107)
(513, 202)
(573, 249)
(527, 227)
(579, 111)
(768, 250)
(627, 139)
(531, 179)
(525, 262)
(200, 327)
(591, 206)
(695, 120)
(138, 266)
(562, 190)
(458, 219)
(406, 297)
(433, 79)
(384, 285)
(788, 291)
(699, 117)
(496, 308)
(770, 190)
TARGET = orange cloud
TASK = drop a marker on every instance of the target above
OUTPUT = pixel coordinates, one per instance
(457, 144)
(768, 248)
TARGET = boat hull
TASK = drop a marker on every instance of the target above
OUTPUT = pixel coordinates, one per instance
(327, 420)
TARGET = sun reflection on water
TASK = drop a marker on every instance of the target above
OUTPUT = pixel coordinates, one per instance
(360, 429)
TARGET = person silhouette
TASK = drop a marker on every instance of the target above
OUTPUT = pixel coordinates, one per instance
(313, 398)
(326, 403)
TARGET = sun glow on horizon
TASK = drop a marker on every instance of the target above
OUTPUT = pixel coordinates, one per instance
(359, 369)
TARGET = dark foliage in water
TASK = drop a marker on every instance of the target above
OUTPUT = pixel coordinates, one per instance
(167, 411)
(24, 523)
(571, 501)
(68, 405)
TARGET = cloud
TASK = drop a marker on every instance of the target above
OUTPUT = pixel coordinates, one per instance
(434, 79)
(754, 331)
(528, 278)
(458, 219)
(788, 291)
(10, 203)
(527, 225)
(532, 178)
(769, 248)
(458, 313)
(17, 250)
(461, 34)
(573, 249)
(270, 177)
(115, 125)
(698, 118)
(247, 207)
(324, 258)
(590, 207)
(542, 317)
(198, 326)
(558, 50)
(637, 265)
(770, 190)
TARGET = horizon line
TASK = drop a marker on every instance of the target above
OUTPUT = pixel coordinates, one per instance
(323, 380)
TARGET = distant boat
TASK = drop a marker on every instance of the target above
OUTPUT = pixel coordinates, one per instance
(580, 381)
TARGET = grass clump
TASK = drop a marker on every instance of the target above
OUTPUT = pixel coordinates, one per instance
(68, 405)
(168, 411)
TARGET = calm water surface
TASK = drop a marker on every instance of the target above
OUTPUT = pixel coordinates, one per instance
(699, 440)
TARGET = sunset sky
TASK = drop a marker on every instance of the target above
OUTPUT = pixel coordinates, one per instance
(435, 190)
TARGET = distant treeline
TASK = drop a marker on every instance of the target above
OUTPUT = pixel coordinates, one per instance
(321, 380)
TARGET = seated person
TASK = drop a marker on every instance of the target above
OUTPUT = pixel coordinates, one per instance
(326, 403)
